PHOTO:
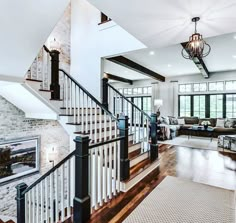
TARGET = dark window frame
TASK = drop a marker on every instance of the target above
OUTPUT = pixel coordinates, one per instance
(207, 102)
(104, 19)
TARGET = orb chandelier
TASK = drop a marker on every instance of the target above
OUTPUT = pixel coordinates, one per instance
(196, 47)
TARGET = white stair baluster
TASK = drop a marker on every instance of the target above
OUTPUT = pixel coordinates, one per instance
(56, 196)
(68, 188)
(74, 110)
(114, 167)
(46, 198)
(62, 194)
(51, 197)
(42, 202)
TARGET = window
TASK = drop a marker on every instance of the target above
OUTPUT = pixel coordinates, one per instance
(147, 104)
(135, 90)
(140, 90)
(185, 105)
(216, 86)
(104, 18)
(200, 87)
(199, 108)
(216, 106)
(185, 88)
(230, 85)
(231, 106)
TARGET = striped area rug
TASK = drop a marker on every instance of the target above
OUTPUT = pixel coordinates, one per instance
(177, 200)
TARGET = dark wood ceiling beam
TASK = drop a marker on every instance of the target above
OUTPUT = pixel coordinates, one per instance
(123, 61)
(200, 64)
(117, 78)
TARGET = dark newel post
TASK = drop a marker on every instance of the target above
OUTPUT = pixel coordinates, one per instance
(153, 133)
(20, 202)
(81, 199)
(54, 86)
(124, 160)
(105, 92)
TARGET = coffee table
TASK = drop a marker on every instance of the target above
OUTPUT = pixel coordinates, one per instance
(209, 131)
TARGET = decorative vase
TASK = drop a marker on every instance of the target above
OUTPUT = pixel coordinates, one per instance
(205, 127)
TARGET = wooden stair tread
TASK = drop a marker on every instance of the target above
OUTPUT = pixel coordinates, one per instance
(71, 115)
(56, 99)
(93, 122)
(9, 221)
(78, 108)
(29, 79)
(138, 168)
(44, 90)
(93, 131)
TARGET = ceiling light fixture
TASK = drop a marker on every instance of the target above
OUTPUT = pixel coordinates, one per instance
(196, 47)
(151, 53)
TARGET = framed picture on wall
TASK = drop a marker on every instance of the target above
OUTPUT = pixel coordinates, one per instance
(18, 158)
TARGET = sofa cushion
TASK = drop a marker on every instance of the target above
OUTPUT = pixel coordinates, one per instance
(173, 120)
(230, 123)
(165, 120)
(181, 121)
(185, 126)
(191, 120)
(224, 130)
(211, 120)
(220, 123)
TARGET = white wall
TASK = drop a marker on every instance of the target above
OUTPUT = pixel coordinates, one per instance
(25, 26)
(90, 42)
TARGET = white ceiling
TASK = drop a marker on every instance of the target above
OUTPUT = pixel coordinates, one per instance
(168, 61)
(25, 26)
(159, 23)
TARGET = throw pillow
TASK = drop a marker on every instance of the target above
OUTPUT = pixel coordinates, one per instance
(220, 123)
(165, 120)
(181, 121)
(173, 120)
(229, 123)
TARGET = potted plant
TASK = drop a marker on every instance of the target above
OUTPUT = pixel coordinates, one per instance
(206, 124)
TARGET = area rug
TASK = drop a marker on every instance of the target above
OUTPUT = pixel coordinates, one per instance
(177, 200)
(194, 142)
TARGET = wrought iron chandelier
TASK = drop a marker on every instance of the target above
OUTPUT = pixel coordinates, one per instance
(196, 47)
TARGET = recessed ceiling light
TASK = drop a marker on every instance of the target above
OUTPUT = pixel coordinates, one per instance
(234, 56)
(126, 71)
(151, 53)
(234, 36)
(169, 65)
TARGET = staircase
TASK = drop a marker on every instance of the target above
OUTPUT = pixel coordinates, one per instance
(112, 151)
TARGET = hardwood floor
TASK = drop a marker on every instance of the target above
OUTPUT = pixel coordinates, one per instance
(199, 165)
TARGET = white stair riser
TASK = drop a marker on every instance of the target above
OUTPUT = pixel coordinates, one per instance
(135, 147)
(71, 111)
(71, 119)
(138, 159)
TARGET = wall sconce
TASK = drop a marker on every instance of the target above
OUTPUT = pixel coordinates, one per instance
(54, 45)
(52, 156)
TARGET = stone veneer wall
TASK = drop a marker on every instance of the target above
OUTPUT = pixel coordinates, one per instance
(13, 125)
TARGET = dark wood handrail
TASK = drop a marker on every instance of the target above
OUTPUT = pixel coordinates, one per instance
(49, 172)
(106, 142)
(129, 101)
(90, 95)
(64, 160)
